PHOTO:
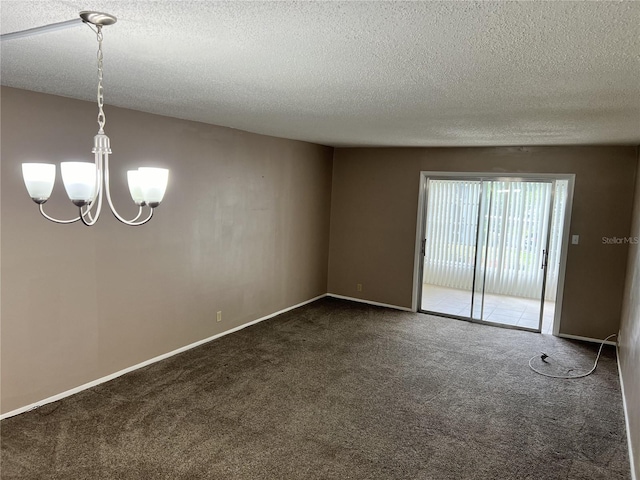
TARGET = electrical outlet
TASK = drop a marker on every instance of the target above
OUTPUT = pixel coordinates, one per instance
(359, 287)
(219, 316)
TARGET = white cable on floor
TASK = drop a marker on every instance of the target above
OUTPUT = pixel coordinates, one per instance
(567, 377)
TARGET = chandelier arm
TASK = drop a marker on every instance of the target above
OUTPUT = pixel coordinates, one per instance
(92, 221)
(107, 189)
(141, 222)
(98, 195)
(139, 214)
(87, 213)
(88, 224)
(55, 220)
(132, 222)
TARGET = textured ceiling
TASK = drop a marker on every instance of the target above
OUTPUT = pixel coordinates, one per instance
(352, 73)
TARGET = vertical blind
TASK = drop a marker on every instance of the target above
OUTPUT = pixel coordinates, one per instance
(510, 236)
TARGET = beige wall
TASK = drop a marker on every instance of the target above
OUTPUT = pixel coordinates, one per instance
(374, 213)
(629, 341)
(243, 229)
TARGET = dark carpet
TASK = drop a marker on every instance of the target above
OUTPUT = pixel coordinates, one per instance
(338, 390)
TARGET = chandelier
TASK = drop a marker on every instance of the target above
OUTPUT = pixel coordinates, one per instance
(86, 183)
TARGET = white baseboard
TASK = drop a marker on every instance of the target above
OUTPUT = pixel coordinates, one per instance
(117, 374)
(632, 459)
(586, 339)
(369, 302)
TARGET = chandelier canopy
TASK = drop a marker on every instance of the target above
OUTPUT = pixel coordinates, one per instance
(86, 183)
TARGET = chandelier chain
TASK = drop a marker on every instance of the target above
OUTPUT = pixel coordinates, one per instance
(101, 117)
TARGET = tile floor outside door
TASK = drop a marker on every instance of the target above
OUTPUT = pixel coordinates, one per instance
(521, 312)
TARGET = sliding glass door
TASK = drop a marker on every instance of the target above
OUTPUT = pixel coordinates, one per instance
(512, 252)
(485, 249)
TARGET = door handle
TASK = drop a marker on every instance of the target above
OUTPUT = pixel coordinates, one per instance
(545, 258)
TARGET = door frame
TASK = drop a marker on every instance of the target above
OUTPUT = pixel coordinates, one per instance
(421, 225)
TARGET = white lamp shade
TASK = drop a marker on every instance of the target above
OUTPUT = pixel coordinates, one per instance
(39, 179)
(135, 187)
(79, 181)
(153, 182)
